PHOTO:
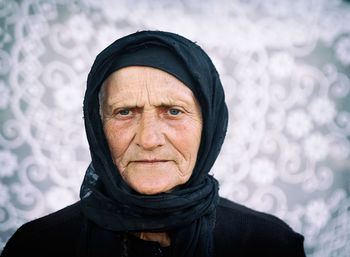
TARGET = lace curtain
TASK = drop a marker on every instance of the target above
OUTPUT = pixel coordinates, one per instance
(285, 67)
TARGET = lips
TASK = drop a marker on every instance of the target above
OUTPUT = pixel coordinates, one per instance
(150, 161)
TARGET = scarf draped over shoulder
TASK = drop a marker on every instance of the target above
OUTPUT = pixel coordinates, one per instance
(187, 213)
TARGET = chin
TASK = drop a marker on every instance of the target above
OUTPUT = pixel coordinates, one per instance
(151, 187)
(151, 190)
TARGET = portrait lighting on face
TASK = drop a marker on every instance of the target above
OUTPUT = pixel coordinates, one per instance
(153, 126)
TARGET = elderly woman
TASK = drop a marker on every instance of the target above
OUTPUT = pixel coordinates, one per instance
(155, 119)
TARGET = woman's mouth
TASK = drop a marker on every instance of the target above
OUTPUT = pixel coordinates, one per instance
(153, 161)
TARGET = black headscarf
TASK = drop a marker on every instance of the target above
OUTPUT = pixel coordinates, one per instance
(187, 213)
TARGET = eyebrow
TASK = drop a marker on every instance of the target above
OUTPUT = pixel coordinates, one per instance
(119, 105)
(133, 106)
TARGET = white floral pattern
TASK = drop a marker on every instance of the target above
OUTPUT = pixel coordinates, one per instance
(59, 197)
(281, 64)
(298, 123)
(8, 163)
(4, 195)
(263, 171)
(68, 98)
(285, 70)
(322, 111)
(5, 96)
(317, 213)
(316, 147)
(342, 50)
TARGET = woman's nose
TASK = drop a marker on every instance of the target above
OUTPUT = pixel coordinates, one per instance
(149, 133)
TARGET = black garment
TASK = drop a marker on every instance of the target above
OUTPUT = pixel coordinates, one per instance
(189, 210)
(109, 208)
(238, 232)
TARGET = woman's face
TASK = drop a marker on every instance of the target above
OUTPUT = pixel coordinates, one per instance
(153, 124)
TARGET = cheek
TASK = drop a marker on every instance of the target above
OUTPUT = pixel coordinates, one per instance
(190, 133)
(186, 139)
(118, 137)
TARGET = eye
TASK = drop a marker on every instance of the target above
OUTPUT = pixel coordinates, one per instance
(174, 112)
(124, 112)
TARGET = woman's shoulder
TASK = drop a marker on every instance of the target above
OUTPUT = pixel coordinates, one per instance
(228, 210)
(58, 229)
(58, 221)
(242, 230)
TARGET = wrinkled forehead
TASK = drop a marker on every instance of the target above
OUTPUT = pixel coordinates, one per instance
(133, 85)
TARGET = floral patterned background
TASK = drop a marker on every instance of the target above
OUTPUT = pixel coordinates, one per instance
(285, 67)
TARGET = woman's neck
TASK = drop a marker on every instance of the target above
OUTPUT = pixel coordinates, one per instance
(162, 238)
